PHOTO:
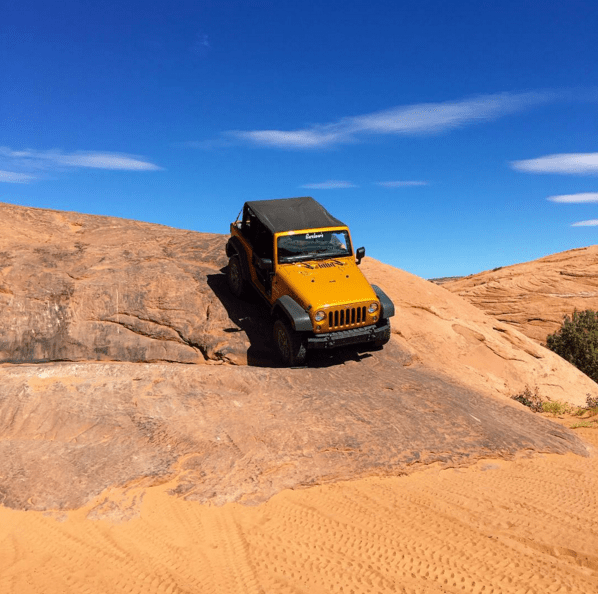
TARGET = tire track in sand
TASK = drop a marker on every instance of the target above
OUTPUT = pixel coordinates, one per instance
(513, 527)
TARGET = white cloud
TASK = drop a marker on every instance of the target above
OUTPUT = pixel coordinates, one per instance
(590, 223)
(567, 163)
(105, 161)
(576, 198)
(331, 184)
(28, 161)
(437, 117)
(15, 178)
(422, 118)
(401, 184)
(291, 139)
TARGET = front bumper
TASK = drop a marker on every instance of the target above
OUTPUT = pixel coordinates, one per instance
(367, 334)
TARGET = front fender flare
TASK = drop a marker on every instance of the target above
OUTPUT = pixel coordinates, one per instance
(294, 313)
(386, 305)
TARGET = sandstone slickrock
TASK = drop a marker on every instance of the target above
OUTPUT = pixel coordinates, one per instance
(99, 314)
(76, 287)
(71, 430)
(448, 334)
(79, 287)
(535, 296)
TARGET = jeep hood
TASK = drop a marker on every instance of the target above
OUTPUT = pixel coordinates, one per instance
(326, 283)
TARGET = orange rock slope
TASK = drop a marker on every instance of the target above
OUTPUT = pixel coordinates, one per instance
(534, 297)
(447, 333)
(149, 441)
(78, 288)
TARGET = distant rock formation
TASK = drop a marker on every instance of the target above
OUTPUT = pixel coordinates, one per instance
(534, 297)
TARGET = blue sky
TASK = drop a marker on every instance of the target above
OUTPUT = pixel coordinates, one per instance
(452, 137)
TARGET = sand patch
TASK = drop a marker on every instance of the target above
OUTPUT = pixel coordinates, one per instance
(529, 525)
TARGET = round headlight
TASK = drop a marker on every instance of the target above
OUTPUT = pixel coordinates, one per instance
(372, 308)
(320, 315)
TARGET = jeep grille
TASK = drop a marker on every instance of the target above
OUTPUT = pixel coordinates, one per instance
(346, 317)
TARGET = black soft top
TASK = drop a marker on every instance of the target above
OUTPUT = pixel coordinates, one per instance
(292, 214)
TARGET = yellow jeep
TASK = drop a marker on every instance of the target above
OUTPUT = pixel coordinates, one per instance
(300, 259)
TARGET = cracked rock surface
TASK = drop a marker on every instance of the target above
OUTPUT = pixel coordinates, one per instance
(534, 297)
(77, 287)
(71, 430)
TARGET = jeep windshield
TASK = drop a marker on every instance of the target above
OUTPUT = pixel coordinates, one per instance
(313, 245)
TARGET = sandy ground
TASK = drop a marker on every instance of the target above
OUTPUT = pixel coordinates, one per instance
(528, 525)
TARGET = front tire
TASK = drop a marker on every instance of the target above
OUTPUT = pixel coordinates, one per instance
(234, 277)
(290, 344)
(385, 337)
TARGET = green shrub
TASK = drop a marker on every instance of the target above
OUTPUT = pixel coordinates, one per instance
(577, 341)
(591, 405)
(530, 399)
(556, 408)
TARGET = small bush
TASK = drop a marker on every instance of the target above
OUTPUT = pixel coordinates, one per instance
(530, 399)
(556, 408)
(585, 424)
(591, 401)
(577, 341)
(591, 405)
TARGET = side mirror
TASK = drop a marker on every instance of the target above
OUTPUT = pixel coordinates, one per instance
(359, 254)
(266, 264)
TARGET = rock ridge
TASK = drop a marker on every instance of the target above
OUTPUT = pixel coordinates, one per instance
(535, 296)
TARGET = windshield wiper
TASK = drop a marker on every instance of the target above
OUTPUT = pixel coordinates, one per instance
(332, 255)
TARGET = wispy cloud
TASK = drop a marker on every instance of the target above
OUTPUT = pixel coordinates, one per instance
(590, 223)
(581, 198)
(25, 163)
(410, 120)
(567, 163)
(305, 139)
(401, 184)
(106, 161)
(201, 45)
(331, 184)
(214, 143)
(15, 178)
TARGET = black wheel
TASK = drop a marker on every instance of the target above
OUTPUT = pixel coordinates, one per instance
(291, 346)
(234, 276)
(385, 337)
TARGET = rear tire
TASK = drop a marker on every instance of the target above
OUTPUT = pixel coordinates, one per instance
(234, 277)
(290, 344)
